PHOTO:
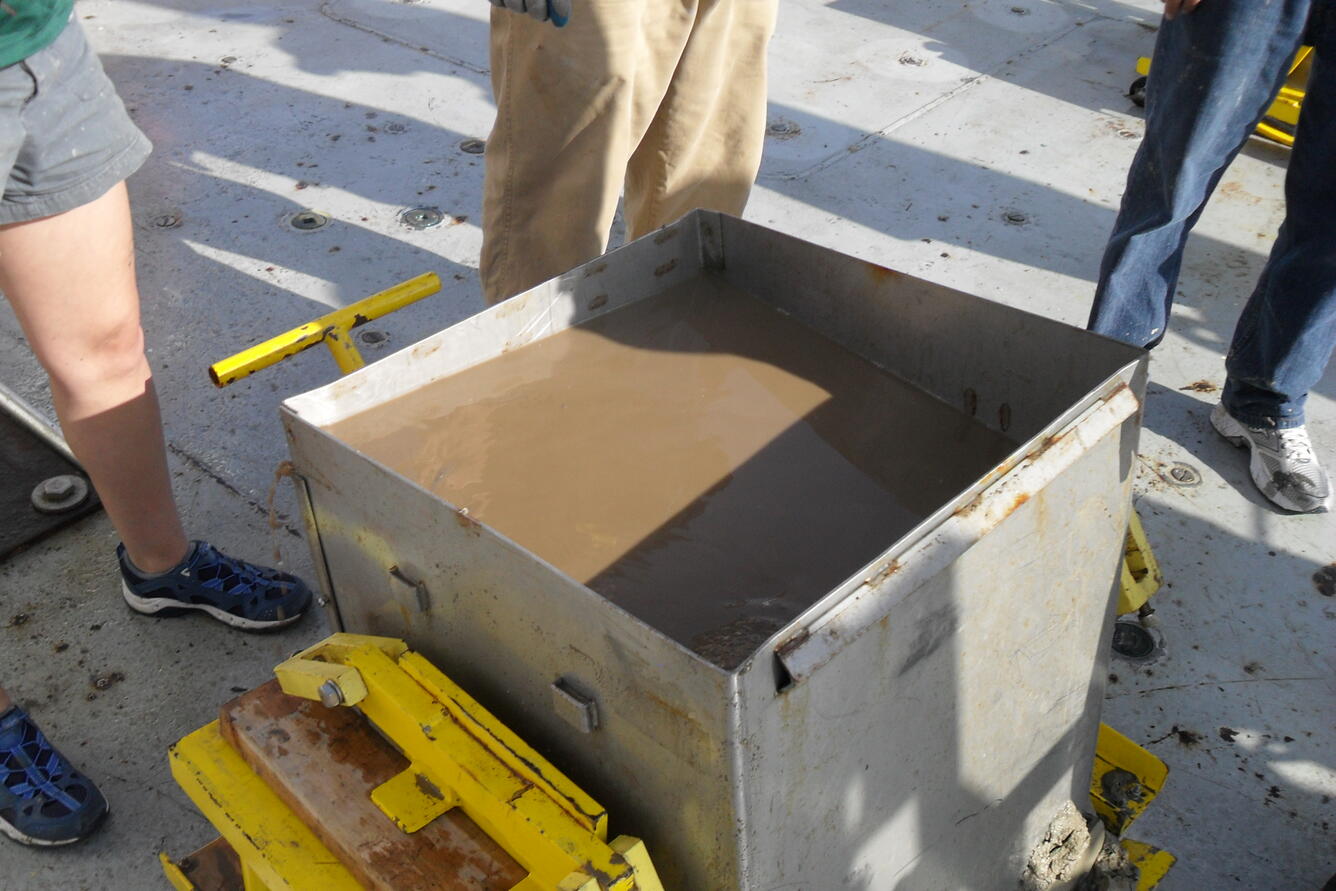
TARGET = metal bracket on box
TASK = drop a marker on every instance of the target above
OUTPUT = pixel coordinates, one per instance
(461, 756)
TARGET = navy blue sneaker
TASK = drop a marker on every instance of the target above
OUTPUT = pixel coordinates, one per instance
(43, 800)
(233, 591)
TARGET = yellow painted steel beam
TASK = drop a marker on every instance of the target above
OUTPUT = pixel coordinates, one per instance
(1141, 576)
(1152, 863)
(333, 329)
(276, 849)
(1125, 779)
(461, 756)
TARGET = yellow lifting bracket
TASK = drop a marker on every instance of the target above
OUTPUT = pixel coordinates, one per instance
(276, 849)
(1125, 780)
(1141, 576)
(333, 329)
(462, 756)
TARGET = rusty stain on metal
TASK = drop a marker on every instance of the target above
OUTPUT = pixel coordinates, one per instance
(971, 402)
(598, 301)
(596, 269)
(788, 647)
(667, 235)
(1004, 416)
(427, 787)
(883, 573)
(880, 273)
(665, 268)
(465, 521)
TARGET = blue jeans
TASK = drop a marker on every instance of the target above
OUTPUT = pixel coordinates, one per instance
(1213, 76)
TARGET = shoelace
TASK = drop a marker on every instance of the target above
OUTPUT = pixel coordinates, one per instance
(40, 766)
(1294, 442)
(245, 578)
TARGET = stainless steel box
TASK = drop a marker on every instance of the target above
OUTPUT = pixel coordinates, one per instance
(916, 727)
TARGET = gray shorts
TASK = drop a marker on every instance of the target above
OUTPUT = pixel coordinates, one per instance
(65, 138)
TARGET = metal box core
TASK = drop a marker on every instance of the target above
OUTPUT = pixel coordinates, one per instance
(844, 628)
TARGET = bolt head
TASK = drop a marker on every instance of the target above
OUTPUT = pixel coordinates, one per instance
(331, 695)
(58, 488)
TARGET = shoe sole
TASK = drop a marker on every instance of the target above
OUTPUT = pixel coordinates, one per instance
(1229, 428)
(167, 608)
(11, 831)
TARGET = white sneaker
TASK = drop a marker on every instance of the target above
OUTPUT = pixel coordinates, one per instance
(1283, 464)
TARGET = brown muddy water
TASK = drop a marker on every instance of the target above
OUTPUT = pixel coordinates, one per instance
(700, 459)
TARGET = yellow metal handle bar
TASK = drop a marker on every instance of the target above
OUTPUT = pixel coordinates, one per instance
(332, 329)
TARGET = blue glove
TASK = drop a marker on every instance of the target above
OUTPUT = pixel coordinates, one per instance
(558, 12)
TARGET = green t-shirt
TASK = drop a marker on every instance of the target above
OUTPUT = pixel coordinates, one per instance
(29, 25)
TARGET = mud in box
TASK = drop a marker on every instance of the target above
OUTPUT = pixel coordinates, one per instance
(802, 566)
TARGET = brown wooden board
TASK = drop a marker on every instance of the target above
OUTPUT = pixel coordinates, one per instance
(323, 763)
(214, 867)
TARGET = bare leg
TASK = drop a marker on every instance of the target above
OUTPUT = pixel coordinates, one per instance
(5, 701)
(71, 281)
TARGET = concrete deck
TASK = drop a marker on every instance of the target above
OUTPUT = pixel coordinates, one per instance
(981, 145)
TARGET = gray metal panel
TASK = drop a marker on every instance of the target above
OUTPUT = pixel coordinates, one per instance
(1023, 370)
(932, 750)
(505, 625)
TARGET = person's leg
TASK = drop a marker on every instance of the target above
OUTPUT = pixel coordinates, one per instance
(557, 152)
(703, 148)
(572, 104)
(71, 281)
(1284, 337)
(5, 701)
(1214, 73)
(67, 267)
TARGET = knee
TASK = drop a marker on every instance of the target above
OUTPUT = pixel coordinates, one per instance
(109, 355)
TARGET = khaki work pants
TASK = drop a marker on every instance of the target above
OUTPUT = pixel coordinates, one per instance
(663, 97)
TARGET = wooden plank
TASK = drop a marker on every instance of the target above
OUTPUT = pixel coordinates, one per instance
(323, 763)
(214, 867)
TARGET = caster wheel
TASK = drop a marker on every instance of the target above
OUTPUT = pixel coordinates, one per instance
(1137, 92)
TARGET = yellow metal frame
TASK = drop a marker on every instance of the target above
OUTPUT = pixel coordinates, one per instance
(275, 847)
(460, 756)
(1151, 862)
(334, 330)
(1126, 778)
(1141, 576)
(1287, 104)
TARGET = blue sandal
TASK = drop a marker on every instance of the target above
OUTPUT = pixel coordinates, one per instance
(233, 591)
(43, 800)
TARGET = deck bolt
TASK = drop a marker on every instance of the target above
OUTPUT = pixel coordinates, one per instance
(167, 221)
(472, 146)
(421, 217)
(1181, 474)
(1015, 218)
(331, 694)
(59, 494)
(307, 220)
(373, 338)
